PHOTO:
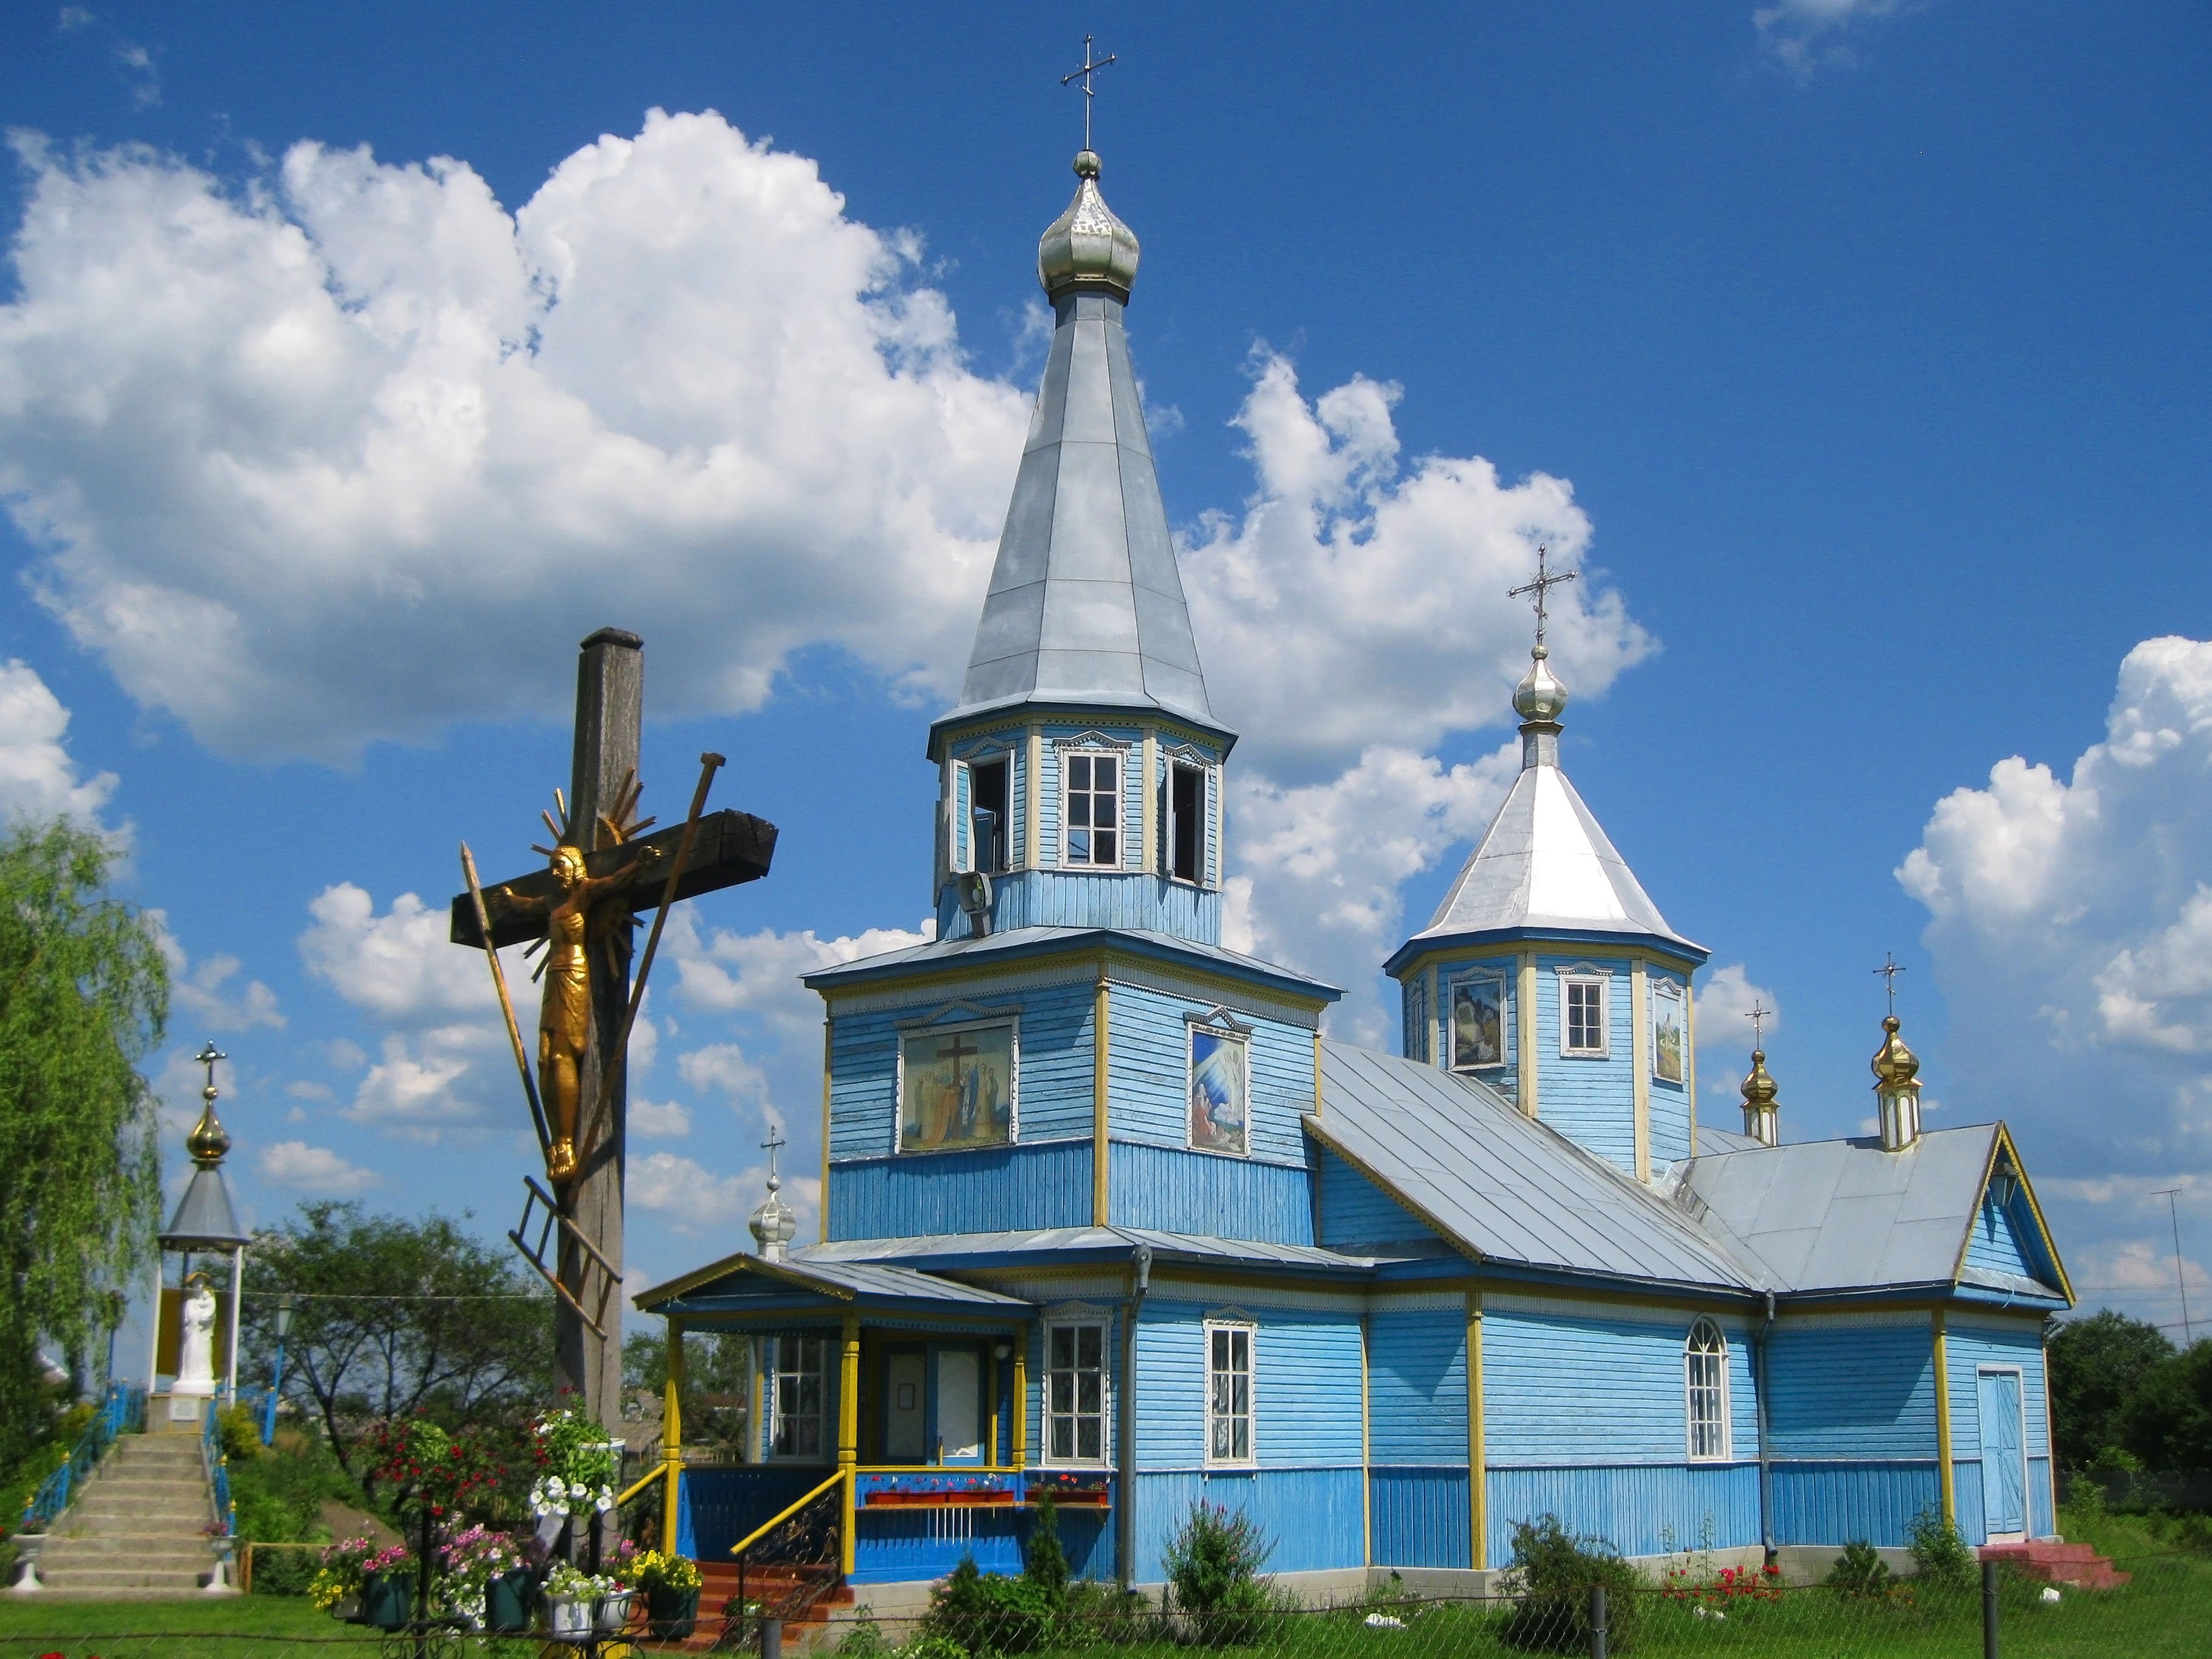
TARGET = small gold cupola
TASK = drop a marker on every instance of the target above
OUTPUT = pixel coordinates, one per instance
(1761, 1111)
(209, 1141)
(1896, 1074)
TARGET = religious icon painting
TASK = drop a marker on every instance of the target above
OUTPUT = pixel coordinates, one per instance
(1478, 1022)
(1220, 1092)
(956, 1087)
(1667, 1030)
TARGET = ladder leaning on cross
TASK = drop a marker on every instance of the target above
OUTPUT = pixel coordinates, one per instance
(603, 872)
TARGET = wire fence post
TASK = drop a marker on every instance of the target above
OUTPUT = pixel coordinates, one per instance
(1597, 1621)
(771, 1639)
(1989, 1609)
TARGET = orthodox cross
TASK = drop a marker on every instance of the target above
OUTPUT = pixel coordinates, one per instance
(1545, 582)
(1890, 969)
(603, 872)
(207, 1057)
(1090, 67)
(1759, 1015)
(774, 1144)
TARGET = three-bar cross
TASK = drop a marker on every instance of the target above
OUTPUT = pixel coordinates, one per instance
(1090, 67)
(1545, 580)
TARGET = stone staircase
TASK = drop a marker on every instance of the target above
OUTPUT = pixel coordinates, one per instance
(138, 1532)
(2074, 1565)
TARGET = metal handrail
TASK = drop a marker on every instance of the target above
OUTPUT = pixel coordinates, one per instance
(122, 1410)
(760, 1532)
(658, 1471)
(218, 1466)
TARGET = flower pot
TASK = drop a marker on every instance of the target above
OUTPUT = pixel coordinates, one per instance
(506, 1603)
(614, 1611)
(387, 1598)
(673, 1614)
(565, 1615)
(347, 1610)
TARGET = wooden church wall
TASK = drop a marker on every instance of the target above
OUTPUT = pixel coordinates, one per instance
(1356, 1213)
(1183, 1191)
(1004, 1188)
(1973, 1342)
(1417, 1433)
(1148, 1072)
(2003, 1240)
(1851, 1421)
(1591, 1100)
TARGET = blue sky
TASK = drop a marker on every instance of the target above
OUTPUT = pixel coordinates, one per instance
(1857, 350)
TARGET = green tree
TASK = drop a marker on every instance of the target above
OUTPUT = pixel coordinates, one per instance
(395, 1318)
(2167, 1419)
(2096, 1365)
(717, 1382)
(84, 995)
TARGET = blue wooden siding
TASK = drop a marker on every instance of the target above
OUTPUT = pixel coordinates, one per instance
(1354, 1211)
(1420, 1518)
(1109, 1315)
(1852, 1391)
(1417, 1387)
(2042, 1519)
(2005, 1240)
(979, 1192)
(1639, 1509)
(1093, 898)
(899, 1546)
(1966, 1495)
(1305, 1386)
(724, 1504)
(1670, 1101)
(1179, 1191)
(1590, 1100)
(1313, 1515)
(1148, 1069)
(1618, 1381)
(1833, 1502)
(1971, 1347)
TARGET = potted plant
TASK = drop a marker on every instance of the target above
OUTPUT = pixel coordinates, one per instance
(470, 1565)
(387, 1588)
(570, 1593)
(619, 1574)
(671, 1584)
(335, 1587)
(576, 1464)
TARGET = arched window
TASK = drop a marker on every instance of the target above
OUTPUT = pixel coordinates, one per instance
(1705, 1390)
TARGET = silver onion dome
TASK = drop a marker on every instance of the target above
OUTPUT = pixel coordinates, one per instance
(1087, 247)
(1540, 697)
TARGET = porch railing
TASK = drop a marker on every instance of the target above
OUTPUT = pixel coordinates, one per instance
(795, 1559)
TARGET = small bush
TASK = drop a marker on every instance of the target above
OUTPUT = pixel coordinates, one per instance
(988, 1613)
(1860, 1572)
(1553, 1573)
(240, 1429)
(863, 1637)
(1214, 1580)
(1045, 1563)
(284, 1572)
(1939, 1554)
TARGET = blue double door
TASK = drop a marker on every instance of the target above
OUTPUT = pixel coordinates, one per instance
(2004, 1453)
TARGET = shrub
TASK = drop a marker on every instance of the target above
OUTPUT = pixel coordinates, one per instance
(1939, 1554)
(1214, 1580)
(988, 1613)
(1045, 1564)
(240, 1429)
(1860, 1572)
(284, 1572)
(1554, 1571)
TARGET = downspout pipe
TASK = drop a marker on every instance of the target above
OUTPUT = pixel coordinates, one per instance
(1125, 1504)
(1758, 1399)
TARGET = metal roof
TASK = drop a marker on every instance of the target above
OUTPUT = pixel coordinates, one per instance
(1546, 864)
(1502, 1185)
(947, 1248)
(205, 1220)
(1031, 941)
(838, 1280)
(1844, 1215)
(1085, 604)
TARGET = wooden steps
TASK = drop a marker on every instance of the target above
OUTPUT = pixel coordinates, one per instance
(2074, 1565)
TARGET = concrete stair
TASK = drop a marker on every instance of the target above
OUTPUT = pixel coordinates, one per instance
(719, 1583)
(138, 1530)
(2074, 1565)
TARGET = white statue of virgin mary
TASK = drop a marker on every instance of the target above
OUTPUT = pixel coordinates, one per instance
(196, 1346)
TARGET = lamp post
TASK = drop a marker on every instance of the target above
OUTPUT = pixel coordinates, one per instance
(276, 1382)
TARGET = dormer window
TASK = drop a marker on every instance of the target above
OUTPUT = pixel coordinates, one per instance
(1093, 816)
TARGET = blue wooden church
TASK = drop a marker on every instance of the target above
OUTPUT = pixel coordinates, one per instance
(1104, 1211)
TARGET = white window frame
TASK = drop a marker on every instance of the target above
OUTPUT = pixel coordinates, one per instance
(963, 823)
(1602, 981)
(1202, 764)
(928, 1026)
(1093, 745)
(777, 1371)
(1077, 1320)
(1716, 1444)
(1249, 1331)
(1222, 1024)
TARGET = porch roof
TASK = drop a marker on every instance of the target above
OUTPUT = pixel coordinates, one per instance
(749, 1284)
(969, 1252)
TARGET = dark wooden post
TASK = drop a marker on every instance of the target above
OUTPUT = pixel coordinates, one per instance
(609, 702)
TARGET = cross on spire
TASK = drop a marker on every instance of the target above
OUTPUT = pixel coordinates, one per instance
(207, 1057)
(1091, 68)
(1544, 580)
(1890, 969)
(774, 1144)
(1759, 1014)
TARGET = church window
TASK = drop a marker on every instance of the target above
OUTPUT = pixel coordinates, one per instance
(988, 827)
(1417, 1019)
(1705, 1389)
(1228, 1394)
(1182, 839)
(1075, 1393)
(1582, 1015)
(1094, 809)
(798, 1369)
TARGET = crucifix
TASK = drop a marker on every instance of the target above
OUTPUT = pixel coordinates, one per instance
(1890, 969)
(1091, 68)
(602, 873)
(1545, 582)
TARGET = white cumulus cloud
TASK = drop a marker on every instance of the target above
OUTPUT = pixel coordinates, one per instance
(38, 777)
(694, 1201)
(313, 1169)
(1804, 35)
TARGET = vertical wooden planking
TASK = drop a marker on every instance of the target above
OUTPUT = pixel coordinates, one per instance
(1366, 1460)
(1421, 1518)
(1046, 1185)
(1033, 785)
(1177, 1191)
(1148, 799)
(1525, 1022)
(1689, 1056)
(1636, 1508)
(1639, 1058)
(1834, 1502)
(1101, 1165)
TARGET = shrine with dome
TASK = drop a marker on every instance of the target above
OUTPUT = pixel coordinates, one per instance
(1107, 1214)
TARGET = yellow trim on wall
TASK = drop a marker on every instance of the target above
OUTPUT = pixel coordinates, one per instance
(1100, 1053)
(1947, 1484)
(1639, 1027)
(1021, 1447)
(1572, 949)
(1148, 803)
(671, 1439)
(1524, 1021)
(1478, 1468)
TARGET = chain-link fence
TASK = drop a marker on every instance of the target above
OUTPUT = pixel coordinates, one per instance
(2166, 1609)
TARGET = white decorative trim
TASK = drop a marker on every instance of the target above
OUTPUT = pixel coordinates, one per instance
(1691, 1355)
(1094, 738)
(2027, 1461)
(1233, 1319)
(1586, 974)
(976, 1013)
(1013, 1023)
(1077, 1313)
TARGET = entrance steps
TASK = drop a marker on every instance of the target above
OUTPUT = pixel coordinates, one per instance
(2074, 1565)
(138, 1532)
(719, 1583)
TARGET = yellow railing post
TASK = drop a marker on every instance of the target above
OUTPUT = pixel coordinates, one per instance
(848, 1433)
(1021, 1397)
(671, 1438)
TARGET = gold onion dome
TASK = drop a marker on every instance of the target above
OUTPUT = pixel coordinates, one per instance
(1540, 696)
(1894, 1065)
(1759, 1089)
(1087, 247)
(209, 1139)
